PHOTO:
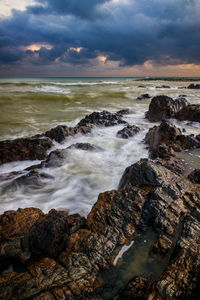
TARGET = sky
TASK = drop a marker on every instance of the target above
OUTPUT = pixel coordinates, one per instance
(99, 38)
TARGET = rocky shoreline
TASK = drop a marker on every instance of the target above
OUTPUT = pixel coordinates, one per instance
(140, 241)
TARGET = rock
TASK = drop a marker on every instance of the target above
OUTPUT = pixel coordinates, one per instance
(143, 173)
(56, 158)
(163, 87)
(24, 149)
(60, 132)
(143, 97)
(14, 226)
(103, 118)
(128, 131)
(49, 235)
(124, 111)
(194, 86)
(182, 274)
(182, 96)
(138, 289)
(191, 113)
(85, 147)
(164, 107)
(142, 86)
(42, 280)
(194, 176)
(165, 139)
(150, 197)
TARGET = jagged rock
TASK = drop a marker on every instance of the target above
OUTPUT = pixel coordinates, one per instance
(190, 113)
(49, 235)
(85, 147)
(138, 289)
(143, 97)
(194, 176)
(150, 196)
(14, 226)
(128, 131)
(165, 139)
(103, 118)
(164, 107)
(24, 149)
(182, 274)
(124, 111)
(61, 132)
(194, 86)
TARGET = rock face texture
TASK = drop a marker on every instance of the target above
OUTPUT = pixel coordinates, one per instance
(24, 149)
(165, 139)
(63, 255)
(164, 107)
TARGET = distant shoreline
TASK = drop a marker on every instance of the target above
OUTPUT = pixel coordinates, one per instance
(169, 79)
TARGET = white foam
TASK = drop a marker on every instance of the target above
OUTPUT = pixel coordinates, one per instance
(53, 89)
(121, 252)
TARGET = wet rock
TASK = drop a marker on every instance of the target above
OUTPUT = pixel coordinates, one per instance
(182, 96)
(124, 111)
(163, 87)
(24, 149)
(150, 196)
(39, 282)
(191, 113)
(164, 107)
(142, 86)
(144, 97)
(14, 226)
(103, 118)
(128, 131)
(194, 86)
(165, 139)
(182, 274)
(138, 289)
(56, 158)
(85, 147)
(194, 176)
(60, 132)
(49, 235)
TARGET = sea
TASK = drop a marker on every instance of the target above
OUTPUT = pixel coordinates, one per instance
(29, 106)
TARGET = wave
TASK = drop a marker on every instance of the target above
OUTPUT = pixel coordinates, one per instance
(53, 89)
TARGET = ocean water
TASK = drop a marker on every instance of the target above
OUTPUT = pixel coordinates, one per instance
(33, 105)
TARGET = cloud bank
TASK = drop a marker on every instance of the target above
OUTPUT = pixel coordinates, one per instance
(79, 33)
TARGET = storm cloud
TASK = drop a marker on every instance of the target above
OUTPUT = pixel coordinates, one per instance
(130, 32)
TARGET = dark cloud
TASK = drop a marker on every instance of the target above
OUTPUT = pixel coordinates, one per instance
(130, 32)
(83, 9)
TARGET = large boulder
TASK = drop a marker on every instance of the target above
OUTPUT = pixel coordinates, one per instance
(165, 139)
(190, 113)
(164, 107)
(24, 149)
